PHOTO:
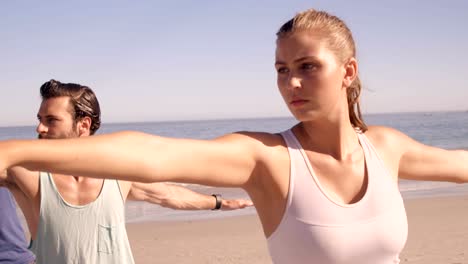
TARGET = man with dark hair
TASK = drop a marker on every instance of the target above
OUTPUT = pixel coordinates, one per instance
(82, 101)
(81, 220)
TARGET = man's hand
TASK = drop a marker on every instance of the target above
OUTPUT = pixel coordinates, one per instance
(180, 198)
(227, 205)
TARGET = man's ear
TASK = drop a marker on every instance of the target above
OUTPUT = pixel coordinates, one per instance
(350, 72)
(84, 126)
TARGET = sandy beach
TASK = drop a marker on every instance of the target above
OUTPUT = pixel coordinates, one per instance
(438, 231)
(438, 234)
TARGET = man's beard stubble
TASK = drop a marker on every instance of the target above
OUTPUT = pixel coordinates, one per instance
(71, 134)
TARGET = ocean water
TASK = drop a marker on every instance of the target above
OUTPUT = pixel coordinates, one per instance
(441, 129)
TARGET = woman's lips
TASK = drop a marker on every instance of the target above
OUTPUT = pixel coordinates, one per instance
(297, 102)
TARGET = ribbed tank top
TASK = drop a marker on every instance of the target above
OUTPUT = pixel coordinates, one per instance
(317, 230)
(93, 234)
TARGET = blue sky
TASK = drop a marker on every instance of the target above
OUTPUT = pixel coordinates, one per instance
(173, 60)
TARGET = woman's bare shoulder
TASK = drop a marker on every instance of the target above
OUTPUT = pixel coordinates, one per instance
(256, 138)
(387, 138)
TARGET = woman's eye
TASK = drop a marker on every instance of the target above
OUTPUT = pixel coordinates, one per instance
(282, 70)
(309, 66)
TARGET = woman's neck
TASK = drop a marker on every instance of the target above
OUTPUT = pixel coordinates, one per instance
(335, 138)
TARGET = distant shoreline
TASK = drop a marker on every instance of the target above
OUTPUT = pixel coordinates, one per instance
(241, 118)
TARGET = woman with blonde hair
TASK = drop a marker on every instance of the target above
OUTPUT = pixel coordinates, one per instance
(325, 190)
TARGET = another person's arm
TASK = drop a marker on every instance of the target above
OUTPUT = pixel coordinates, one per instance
(5, 180)
(177, 197)
(20, 182)
(8, 181)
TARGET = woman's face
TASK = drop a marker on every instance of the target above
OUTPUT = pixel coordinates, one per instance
(310, 76)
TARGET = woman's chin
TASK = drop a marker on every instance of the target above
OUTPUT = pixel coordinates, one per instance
(305, 116)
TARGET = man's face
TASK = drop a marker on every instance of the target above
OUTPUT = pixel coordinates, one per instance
(55, 119)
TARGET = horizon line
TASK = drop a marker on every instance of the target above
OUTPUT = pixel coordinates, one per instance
(238, 118)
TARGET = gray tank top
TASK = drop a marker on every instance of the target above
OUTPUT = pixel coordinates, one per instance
(92, 233)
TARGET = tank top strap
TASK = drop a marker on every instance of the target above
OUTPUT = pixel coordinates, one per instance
(49, 192)
(290, 139)
(373, 156)
(294, 154)
(112, 192)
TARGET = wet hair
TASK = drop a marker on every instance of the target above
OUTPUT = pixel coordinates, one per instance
(83, 101)
(340, 40)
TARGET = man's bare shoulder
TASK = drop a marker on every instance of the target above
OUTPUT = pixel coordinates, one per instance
(27, 181)
(19, 173)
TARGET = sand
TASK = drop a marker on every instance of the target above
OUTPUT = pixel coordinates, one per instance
(438, 233)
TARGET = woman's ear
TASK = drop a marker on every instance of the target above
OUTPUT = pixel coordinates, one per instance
(350, 72)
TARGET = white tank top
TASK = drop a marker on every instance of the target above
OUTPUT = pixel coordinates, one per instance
(317, 230)
(93, 234)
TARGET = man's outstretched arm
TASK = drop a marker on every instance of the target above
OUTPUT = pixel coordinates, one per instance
(180, 198)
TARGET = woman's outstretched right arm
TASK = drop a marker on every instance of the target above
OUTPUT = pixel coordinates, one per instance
(133, 156)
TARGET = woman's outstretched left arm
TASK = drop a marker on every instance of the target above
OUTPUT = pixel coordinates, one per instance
(417, 161)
